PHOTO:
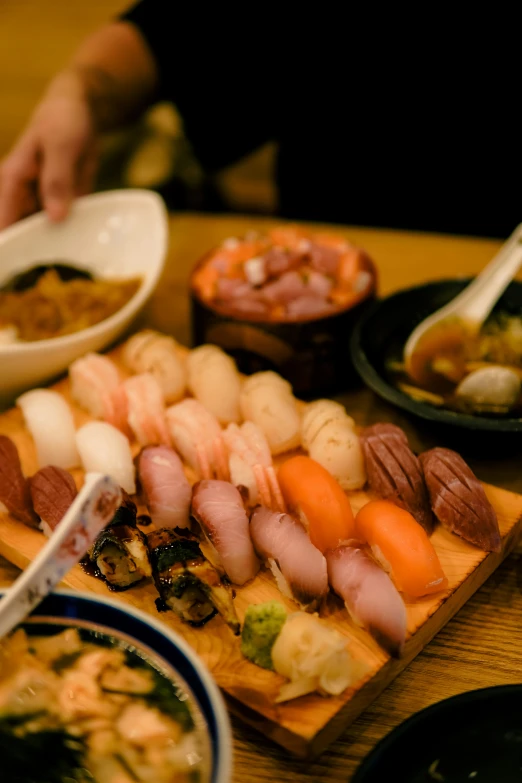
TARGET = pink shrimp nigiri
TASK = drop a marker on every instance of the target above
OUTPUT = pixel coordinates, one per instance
(371, 598)
(165, 486)
(197, 436)
(218, 507)
(298, 567)
(146, 410)
(96, 387)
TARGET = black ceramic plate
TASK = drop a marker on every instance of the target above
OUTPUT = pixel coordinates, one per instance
(472, 738)
(388, 324)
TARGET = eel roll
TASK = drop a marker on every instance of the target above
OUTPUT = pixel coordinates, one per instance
(187, 583)
(120, 554)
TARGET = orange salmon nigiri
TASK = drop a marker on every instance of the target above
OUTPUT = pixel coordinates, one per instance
(402, 547)
(312, 493)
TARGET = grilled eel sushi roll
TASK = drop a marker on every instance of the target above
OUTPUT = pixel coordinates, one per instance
(120, 554)
(187, 583)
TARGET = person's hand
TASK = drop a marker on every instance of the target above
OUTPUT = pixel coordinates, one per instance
(55, 158)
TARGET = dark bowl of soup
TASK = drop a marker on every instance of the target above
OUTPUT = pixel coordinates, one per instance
(90, 689)
(377, 348)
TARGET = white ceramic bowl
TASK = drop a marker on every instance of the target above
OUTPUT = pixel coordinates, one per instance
(121, 233)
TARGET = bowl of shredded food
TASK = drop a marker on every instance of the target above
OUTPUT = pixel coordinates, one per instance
(94, 690)
(74, 287)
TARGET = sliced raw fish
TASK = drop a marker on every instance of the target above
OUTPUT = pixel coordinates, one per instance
(166, 488)
(96, 387)
(14, 487)
(309, 305)
(288, 287)
(298, 567)
(146, 410)
(50, 422)
(52, 491)
(219, 509)
(104, 449)
(370, 596)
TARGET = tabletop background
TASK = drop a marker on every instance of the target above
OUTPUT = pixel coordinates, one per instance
(481, 645)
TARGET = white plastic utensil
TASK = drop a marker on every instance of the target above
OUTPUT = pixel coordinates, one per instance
(475, 303)
(92, 509)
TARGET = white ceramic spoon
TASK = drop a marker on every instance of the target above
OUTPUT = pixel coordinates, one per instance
(473, 305)
(92, 509)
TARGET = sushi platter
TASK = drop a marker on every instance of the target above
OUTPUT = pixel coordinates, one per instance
(304, 725)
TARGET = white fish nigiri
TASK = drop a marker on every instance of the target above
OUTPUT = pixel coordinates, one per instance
(371, 598)
(218, 507)
(267, 400)
(298, 567)
(50, 421)
(166, 488)
(214, 380)
(329, 437)
(104, 449)
(150, 351)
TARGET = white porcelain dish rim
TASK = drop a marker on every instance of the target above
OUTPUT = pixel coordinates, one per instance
(133, 305)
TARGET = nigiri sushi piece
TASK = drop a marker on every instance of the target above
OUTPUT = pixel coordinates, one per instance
(104, 449)
(156, 353)
(250, 465)
(52, 492)
(96, 387)
(197, 436)
(166, 488)
(187, 583)
(402, 547)
(49, 420)
(299, 568)
(146, 410)
(214, 380)
(371, 598)
(14, 487)
(330, 439)
(267, 400)
(218, 508)
(120, 553)
(316, 498)
(458, 499)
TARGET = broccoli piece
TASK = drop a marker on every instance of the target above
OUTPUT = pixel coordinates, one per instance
(262, 625)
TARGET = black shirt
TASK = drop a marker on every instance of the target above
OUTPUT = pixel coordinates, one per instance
(396, 122)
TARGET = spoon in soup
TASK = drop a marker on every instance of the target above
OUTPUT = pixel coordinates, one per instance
(92, 509)
(434, 354)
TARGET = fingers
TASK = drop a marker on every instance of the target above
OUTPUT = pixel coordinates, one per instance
(58, 177)
(17, 176)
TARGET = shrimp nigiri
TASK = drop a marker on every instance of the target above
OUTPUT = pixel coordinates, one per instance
(371, 598)
(250, 465)
(214, 380)
(318, 500)
(267, 400)
(104, 449)
(52, 491)
(298, 567)
(218, 507)
(50, 421)
(96, 387)
(157, 353)
(198, 438)
(402, 547)
(166, 488)
(146, 410)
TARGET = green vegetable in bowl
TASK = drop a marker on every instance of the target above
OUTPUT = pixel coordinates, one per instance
(262, 625)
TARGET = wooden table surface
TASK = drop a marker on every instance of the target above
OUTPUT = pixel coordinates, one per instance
(482, 645)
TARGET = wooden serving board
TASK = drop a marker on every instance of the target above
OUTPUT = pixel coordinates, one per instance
(306, 725)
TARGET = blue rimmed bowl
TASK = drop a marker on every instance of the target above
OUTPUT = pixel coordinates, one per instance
(65, 608)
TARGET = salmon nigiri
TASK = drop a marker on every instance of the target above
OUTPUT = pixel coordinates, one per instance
(371, 598)
(402, 547)
(313, 494)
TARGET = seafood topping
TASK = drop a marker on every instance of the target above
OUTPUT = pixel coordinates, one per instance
(165, 486)
(394, 472)
(267, 400)
(218, 508)
(298, 567)
(52, 491)
(198, 438)
(458, 499)
(14, 487)
(250, 464)
(187, 583)
(371, 598)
